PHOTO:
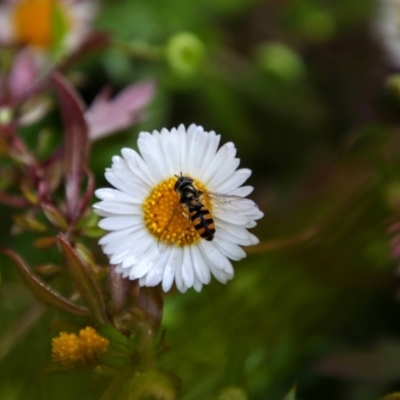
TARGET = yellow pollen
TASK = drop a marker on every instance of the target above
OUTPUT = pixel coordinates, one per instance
(161, 205)
(69, 350)
(34, 21)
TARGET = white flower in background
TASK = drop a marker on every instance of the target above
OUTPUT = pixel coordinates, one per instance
(153, 238)
(387, 27)
(46, 25)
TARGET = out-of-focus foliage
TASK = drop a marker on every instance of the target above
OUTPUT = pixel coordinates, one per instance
(306, 91)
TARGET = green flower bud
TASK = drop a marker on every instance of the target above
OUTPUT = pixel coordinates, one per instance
(184, 53)
(151, 385)
(279, 60)
(232, 393)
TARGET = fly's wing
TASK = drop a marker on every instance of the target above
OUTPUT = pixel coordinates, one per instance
(229, 202)
(161, 245)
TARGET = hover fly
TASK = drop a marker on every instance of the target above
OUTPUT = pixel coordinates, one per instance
(191, 204)
(200, 216)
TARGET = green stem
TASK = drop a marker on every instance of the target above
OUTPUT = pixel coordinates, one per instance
(139, 50)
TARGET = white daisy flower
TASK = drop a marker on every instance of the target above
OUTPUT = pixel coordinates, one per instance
(159, 237)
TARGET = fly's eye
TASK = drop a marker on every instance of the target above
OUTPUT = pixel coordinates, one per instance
(188, 196)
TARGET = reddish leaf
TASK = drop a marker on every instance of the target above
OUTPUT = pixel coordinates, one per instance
(106, 116)
(76, 144)
(151, 303)
(45, 242)
(88, 192)
(43, 292)
(377, 364)
(119, 290)
(86, 286)
(13, 200)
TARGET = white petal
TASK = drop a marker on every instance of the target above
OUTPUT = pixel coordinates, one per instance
(125, 186)
(201, 143)
(200, 266)
(141, 246)
(116, 246)
(223, 174)
(181, 146)
(115, 195)
(243, 191)
(174, 260)
(187, 268)
(138, 167)
(116, 235)
(229, 249)
(170, 154)
(145, 263)
(194, 134)
(102, 213)
(119, 208)
(224, 154)
(230, 217)
(209, 153)
(179, 273)
(117, 223)
(233, 233)
(236, 180)
(197, 286)
(152, 154)
(117, 258)
(155, 275)
(220, 266)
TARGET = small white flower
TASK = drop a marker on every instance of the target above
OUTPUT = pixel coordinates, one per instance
(31, 23)
(143, 211)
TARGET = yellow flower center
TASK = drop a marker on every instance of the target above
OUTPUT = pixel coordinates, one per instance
(70, 350)
(39, 22)
(167, 219)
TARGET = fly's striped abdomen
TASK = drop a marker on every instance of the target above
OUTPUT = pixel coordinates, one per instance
(202, 221)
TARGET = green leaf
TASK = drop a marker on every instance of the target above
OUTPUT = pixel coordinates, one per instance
(29, 223)
(86, 286)
(114, 359)
(59, 30)
(117, 340)
(292, 394)
(55, 217)
(393, 396)
(43, 292)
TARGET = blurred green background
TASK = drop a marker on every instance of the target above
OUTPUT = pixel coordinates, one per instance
(305, 89)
